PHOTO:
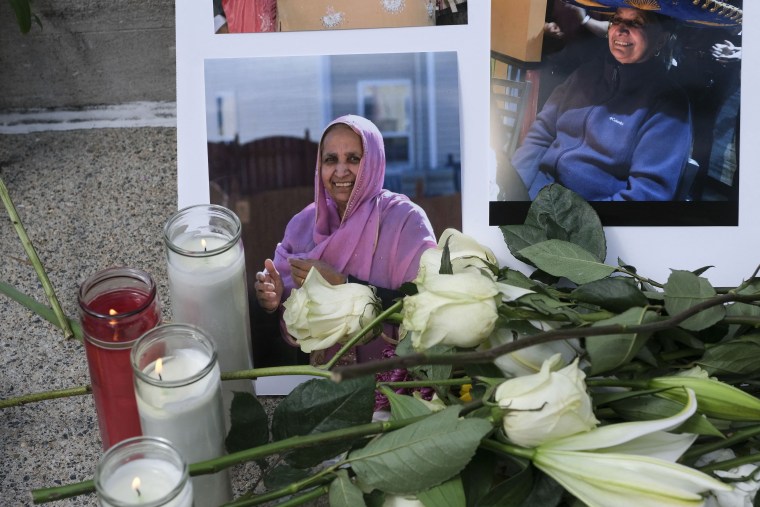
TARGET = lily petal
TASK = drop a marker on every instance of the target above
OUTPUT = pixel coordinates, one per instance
(601, 479)
(617, 434)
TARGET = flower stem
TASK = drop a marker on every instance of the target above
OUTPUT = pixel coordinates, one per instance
(275, 371)
(47, 395)
(752, 459)
(232, 375)
(739, 436)
(508, 449)
(358, 370)
(63, 322)
(215, 465)
(320, 478)
(427, 383)
(366, 329)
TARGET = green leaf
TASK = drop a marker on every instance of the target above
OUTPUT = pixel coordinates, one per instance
(374, 498)
(512, 492)
(421, 455)
(446, 267)
(436, 371)
(558, 213)
(516, 278)
(43, 311)
(561, 258)
(650, 408)
(320, 405)
(736, 357)
(478, 476)
(448, 494)
(406, 407)
(284, 475)
(250, 425)
(613, 294)
(608, 352)
(23, 11)
(344, 493)
(684, 290)
(546, 492)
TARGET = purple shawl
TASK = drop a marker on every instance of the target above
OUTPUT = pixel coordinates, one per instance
(382, 234)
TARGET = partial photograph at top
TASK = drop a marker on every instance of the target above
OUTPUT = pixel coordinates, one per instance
(621, 101)
(252, 16)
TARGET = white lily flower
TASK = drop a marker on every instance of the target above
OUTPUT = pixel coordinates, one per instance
(600, 468)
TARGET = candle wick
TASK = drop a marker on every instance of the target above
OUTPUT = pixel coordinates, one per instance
(160, 377)
(138, 491)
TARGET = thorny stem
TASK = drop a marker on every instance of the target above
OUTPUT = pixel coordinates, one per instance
(63, 322)
(351, 371)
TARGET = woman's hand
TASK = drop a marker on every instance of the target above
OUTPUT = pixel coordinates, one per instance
(269, 287)
(299, 268)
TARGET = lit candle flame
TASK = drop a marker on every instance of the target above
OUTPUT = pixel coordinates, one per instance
(136, 485)
(203, 244)
(159, 367)
(113, 312)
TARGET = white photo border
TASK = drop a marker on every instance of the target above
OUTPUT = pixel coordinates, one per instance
(733, 251)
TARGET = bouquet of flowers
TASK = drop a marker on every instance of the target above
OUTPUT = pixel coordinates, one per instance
(581, 383)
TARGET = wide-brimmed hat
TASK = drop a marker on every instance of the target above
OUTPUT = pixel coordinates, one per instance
(692, 12)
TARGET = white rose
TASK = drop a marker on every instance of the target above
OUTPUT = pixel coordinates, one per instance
(465, 254)
(528, 360)
(458, 310)
(547, 405)
(319, 314)
(402, 501)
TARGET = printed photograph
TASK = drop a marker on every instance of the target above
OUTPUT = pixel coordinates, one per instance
(251, 16)
(633, 104)
(265, 118)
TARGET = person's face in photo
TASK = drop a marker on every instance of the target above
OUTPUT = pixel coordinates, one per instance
(340, 162)
(633, 36)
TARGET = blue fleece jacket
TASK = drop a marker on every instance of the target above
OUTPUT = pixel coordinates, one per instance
(610, 132)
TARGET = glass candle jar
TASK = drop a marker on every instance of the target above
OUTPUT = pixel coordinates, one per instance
(179, 397)
(144, 471)
(207, 281)
(116, 306)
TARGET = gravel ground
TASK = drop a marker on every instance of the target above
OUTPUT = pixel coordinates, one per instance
(89, 199)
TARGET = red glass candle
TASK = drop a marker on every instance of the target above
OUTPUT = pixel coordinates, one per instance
(117, 305)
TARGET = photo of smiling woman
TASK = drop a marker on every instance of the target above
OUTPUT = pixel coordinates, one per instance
(618, 128)
(632, 126)
(354, 231)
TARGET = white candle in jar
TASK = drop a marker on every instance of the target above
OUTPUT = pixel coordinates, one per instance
(211, 293)
(189, 414)
(142, 481)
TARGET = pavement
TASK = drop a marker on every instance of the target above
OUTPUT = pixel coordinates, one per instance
(89, 199)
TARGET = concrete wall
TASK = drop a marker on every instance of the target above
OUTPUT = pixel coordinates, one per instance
(88, 53)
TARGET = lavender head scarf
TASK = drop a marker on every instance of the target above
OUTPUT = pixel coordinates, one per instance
(382, 234)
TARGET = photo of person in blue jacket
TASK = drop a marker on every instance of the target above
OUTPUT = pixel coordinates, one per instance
(618, 129)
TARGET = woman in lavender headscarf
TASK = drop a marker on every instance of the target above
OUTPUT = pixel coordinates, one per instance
(354, 230)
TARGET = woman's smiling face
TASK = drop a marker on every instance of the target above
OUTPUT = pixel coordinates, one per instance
(340, 160)
(633, 36)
